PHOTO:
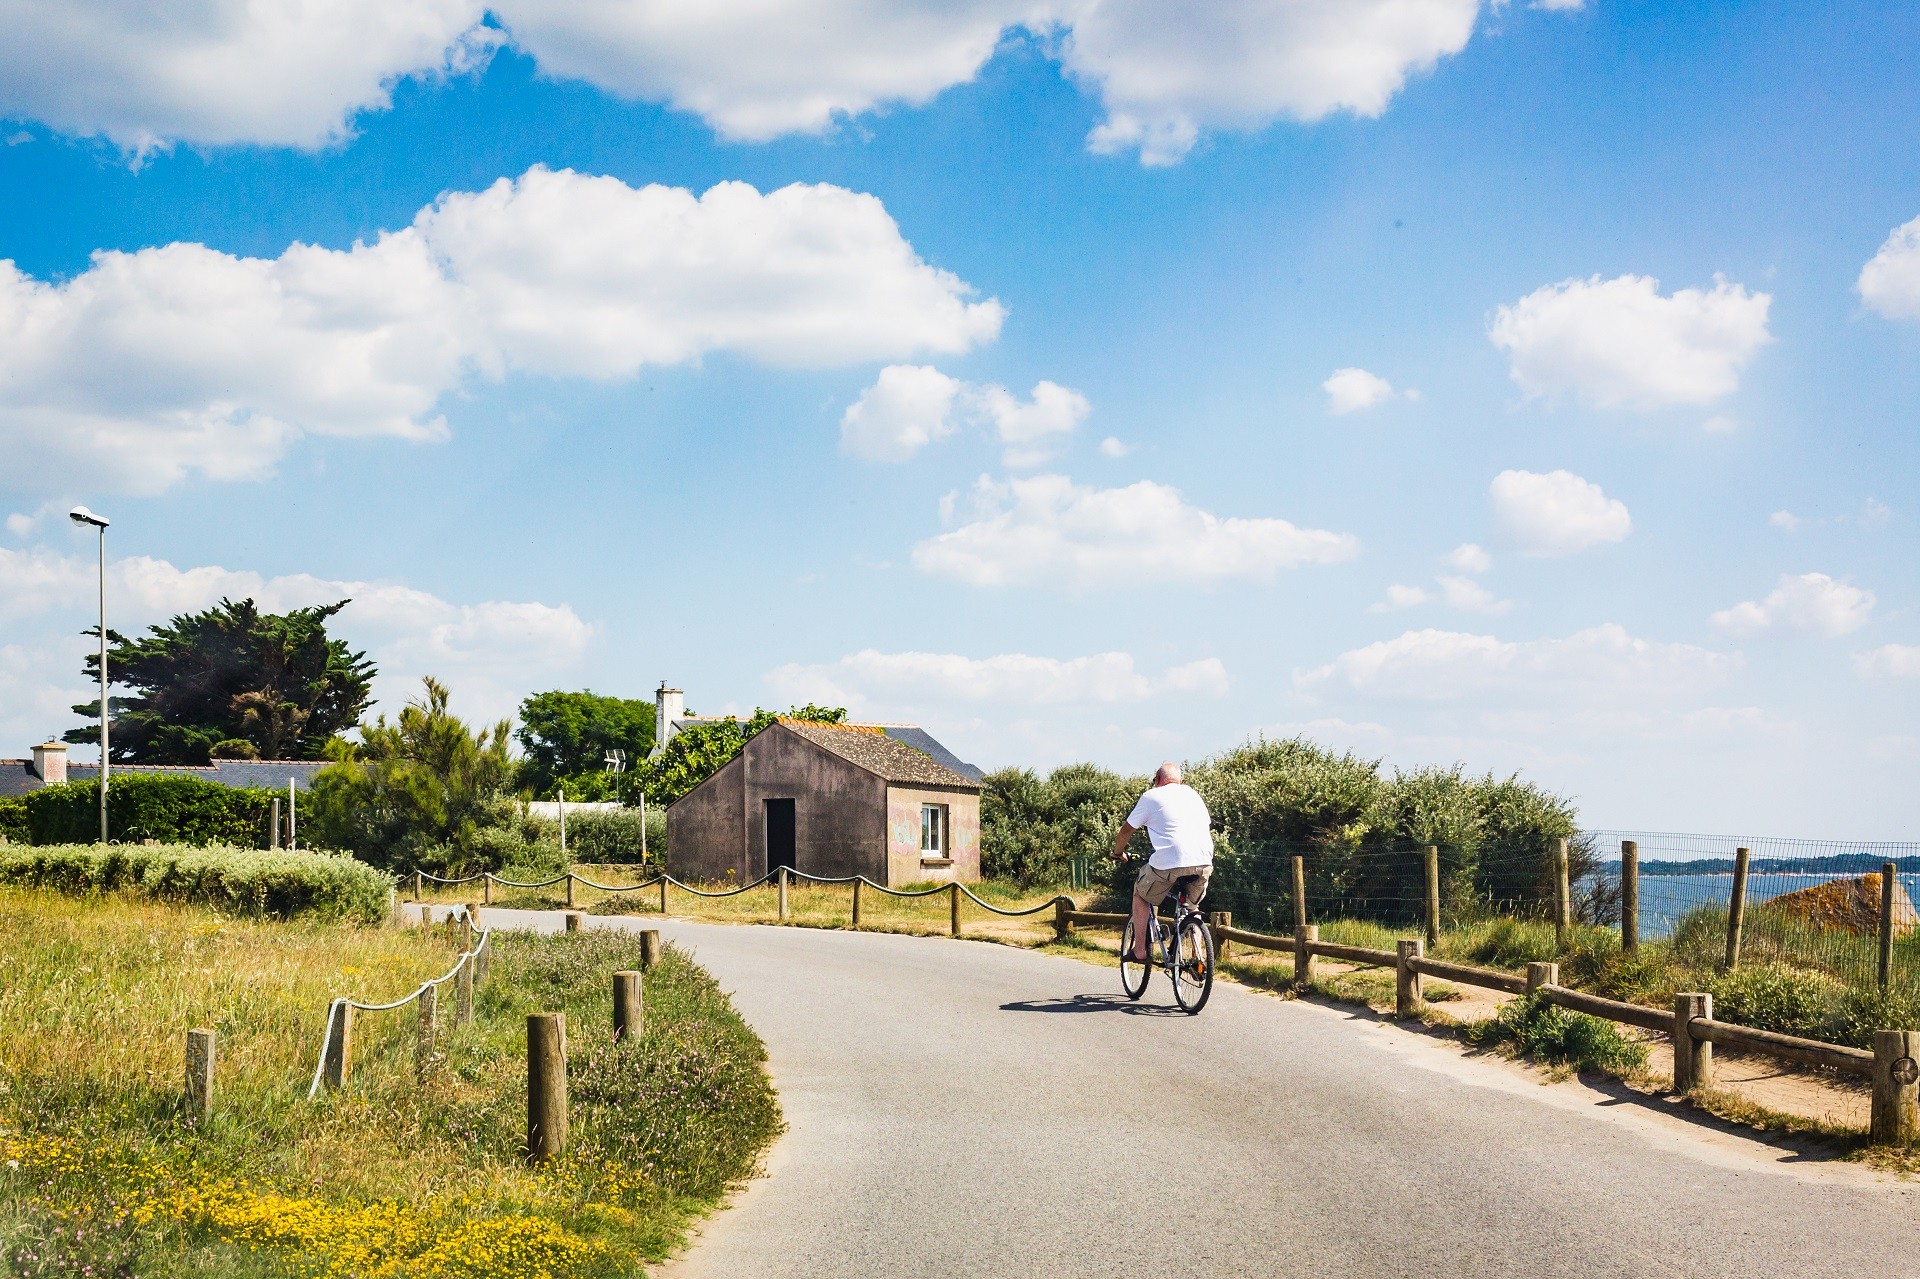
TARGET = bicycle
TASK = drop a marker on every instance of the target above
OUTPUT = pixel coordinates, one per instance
(1188, 961)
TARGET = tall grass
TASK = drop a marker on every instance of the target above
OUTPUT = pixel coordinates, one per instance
(397, 1175)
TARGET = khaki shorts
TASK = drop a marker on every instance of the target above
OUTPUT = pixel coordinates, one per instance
(1156, 885)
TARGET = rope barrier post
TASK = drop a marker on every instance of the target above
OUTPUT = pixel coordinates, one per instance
(1299, 891)
(1409, 994)
(1692, 1058)
(663, 892)
(1304, 935)
(419, 889)
(546, 1085)
(200, 1075)
(1629, 897)
(573, 921)
(1062, 925)
(1896, 1087)
(1562, 903)
(783, 894)
(339, 1046)
(953, 908)
(1433, 896)
(427, 1023)
(627, 1011)
(466, 919)
(1889, 886)
(486, 887)
(1737, 908)
(463, 993)
(649, 948)
(393, 906)
(1220, 921)
(569, 890)
(483, 959)
(857, 881)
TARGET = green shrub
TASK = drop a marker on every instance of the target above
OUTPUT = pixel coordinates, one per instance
(1551, 1034)
(1792, 1001)
(13, 820)
(607, 835)
(1861, 1010)
(243, 881)
(171, 809)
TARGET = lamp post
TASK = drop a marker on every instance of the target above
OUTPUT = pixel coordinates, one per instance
(81, 515)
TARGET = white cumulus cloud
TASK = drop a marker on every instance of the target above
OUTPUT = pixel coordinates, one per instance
(1400, 596)
(1890, 282)
(1031, 429)
(1621, 343)
(215, 72)
(1901, 661)
(1047, 529)
(1009, 681)
(909, 407)
(1437, 665)
(1810, 602)
(1351, 390)
(221, 362)
(1557, 513)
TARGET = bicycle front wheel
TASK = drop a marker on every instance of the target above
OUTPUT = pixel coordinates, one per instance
(1133, 975)
(1193, 969)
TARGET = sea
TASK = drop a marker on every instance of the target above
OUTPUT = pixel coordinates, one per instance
(1664, 899)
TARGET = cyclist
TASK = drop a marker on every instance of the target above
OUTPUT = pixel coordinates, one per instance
(1178, 824)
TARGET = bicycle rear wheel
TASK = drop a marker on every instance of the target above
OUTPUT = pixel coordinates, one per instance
(1193, 973)
(1133, 976)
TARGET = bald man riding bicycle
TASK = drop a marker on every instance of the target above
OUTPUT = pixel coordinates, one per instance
(1181, 831)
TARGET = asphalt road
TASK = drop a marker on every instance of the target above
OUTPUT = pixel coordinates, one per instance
(957, 1108)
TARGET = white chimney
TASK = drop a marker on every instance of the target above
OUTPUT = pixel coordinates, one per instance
(50, 761)
(669, 704)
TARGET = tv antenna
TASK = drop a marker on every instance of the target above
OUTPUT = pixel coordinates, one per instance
(616, 761)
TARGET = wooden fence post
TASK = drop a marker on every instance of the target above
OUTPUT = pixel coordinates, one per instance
(953, 909)
(482, 961)
(1629, 896)
(429, 1010)
(463, 992)
(569, 890)
(1062, 907)
(1304, 935)
(466, 920)
(419, 890)
(663, 892)
(1408, 990)
(1692, 1058)
(1562, 896)
(1539, 975)
(1433, 896)
(546, 1085)
(783, 894)
(486, 887)
(627, 1012)
(1299, 892)
(200, 1075)
(339, 1046)
(573, 920)
(857, 881)
(649, 948)
(1218, 921)
(1737, 908)
(1896, 1087)
(1889, 886)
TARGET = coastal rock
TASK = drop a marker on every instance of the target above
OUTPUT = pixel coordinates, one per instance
(1849, 904)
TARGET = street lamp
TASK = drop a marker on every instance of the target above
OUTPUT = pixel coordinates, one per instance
(81, 515)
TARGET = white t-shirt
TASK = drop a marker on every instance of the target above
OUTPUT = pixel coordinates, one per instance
(1175, 819)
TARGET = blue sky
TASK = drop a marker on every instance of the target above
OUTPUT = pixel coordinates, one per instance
(1520, 386)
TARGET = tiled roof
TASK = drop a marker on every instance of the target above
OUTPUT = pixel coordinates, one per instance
(18, 778)
(921, 740)
(880, 754)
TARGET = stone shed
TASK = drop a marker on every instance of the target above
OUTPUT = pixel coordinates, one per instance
(828, 799)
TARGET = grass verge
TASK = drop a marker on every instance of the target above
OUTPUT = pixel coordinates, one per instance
(403, 1173)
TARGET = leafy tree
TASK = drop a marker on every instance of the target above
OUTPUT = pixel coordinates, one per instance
(565, 738)
(424, 790)
(233, 679)
(698, 752)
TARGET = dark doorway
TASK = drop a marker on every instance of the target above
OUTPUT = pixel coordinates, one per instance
(779, 834)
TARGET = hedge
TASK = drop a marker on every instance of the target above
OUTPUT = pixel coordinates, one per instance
(173, 810)
(244, 881)
(13, 820)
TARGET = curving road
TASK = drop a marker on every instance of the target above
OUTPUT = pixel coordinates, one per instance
(958, 1108)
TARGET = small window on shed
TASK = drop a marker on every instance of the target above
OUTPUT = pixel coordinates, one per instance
(933, 830)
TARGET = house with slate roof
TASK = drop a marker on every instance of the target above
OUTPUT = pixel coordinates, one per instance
(49, 767)
(882, 800)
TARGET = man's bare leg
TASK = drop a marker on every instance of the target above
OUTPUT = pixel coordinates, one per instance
(1141, 913)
